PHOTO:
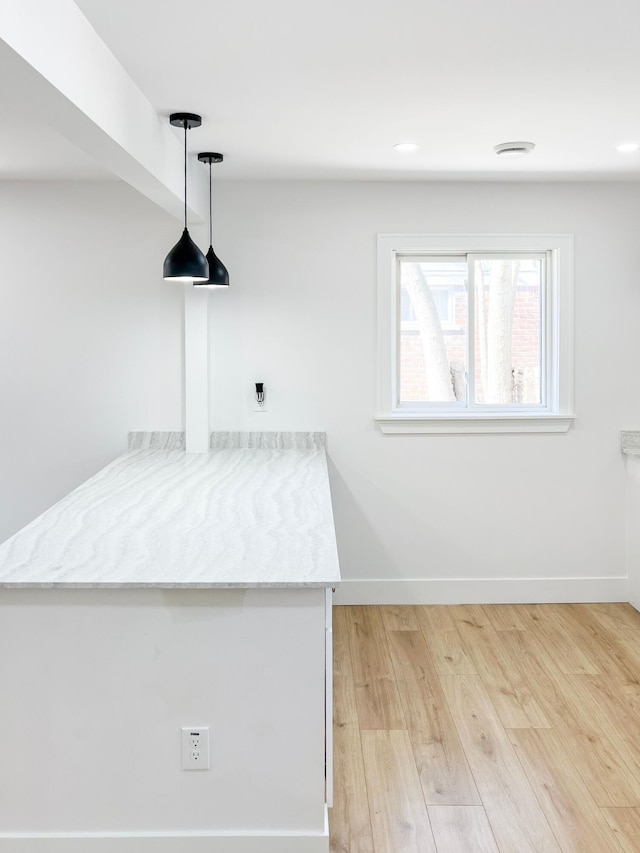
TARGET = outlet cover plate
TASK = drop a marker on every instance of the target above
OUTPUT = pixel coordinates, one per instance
(195, 748)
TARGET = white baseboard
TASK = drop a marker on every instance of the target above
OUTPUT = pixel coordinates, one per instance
(164, 843)
(482, 591)
(168, 842)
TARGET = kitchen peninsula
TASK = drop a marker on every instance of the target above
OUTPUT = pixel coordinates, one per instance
(172, 590)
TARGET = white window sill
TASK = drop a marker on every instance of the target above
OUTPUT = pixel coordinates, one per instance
(419, 424)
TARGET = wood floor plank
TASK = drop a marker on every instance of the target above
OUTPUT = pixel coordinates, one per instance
(349, 819)
(512, 808)
(506, 685)
(600, 764)
(616, 616)
(438, 617)
(601, 645)
(446, 648)
(529, 614)
(399, 816)
(395, 618)
(345, 712)
(442, 766)
(613, 650)
(625, 825)
(379, 705)
(570, 656)
(504, 617)
(604, 706)
(629, 643)
(341, 651)
(535, 615)
(572, 814)
(624, 671)
(367, 641)
(461, 829)
(377, 696)
(470, 614)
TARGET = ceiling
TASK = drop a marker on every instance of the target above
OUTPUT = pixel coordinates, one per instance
(301, 90)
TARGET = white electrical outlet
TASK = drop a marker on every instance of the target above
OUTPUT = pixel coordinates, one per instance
(195, 748)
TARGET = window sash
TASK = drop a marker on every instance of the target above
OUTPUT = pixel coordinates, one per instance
(547, 340)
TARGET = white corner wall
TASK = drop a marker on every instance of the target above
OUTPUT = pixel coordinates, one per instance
(90, 336)
(433, 518)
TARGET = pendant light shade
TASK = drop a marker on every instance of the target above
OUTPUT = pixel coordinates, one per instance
(218, 274)
(185, 262)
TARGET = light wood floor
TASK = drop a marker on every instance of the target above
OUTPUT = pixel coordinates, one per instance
(476, 729)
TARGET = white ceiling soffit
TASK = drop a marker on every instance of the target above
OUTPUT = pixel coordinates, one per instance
(30, 150)
(292, 89)
(57, 69)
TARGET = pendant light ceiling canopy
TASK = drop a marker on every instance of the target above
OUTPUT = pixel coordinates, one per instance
(185, 262)
(218, 274)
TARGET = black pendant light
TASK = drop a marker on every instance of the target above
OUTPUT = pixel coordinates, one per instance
(218, 275)
(185, 262)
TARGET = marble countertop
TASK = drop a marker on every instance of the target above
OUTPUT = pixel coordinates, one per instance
(233, 517)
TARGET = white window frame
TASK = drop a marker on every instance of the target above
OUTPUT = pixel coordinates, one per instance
(556, 415)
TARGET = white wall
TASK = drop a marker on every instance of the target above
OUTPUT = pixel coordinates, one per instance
(300, 316)
(91, 720)
(90, 336)
(90, 347)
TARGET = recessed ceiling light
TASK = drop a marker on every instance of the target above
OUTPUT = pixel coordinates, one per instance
(627, 147)
(514, 149)
(406, 146)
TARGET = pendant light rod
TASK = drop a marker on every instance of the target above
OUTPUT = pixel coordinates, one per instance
(210, 210)
(185, 261)
(186, 121)
(210, 157)
(218, 273)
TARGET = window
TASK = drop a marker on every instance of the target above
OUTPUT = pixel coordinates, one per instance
(444, 297)
(475, 333)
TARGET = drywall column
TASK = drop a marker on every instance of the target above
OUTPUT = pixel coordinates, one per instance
(196, 369)
(633, 529)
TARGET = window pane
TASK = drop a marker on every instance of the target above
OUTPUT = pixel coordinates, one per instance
(508, 338)
(433, 331)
